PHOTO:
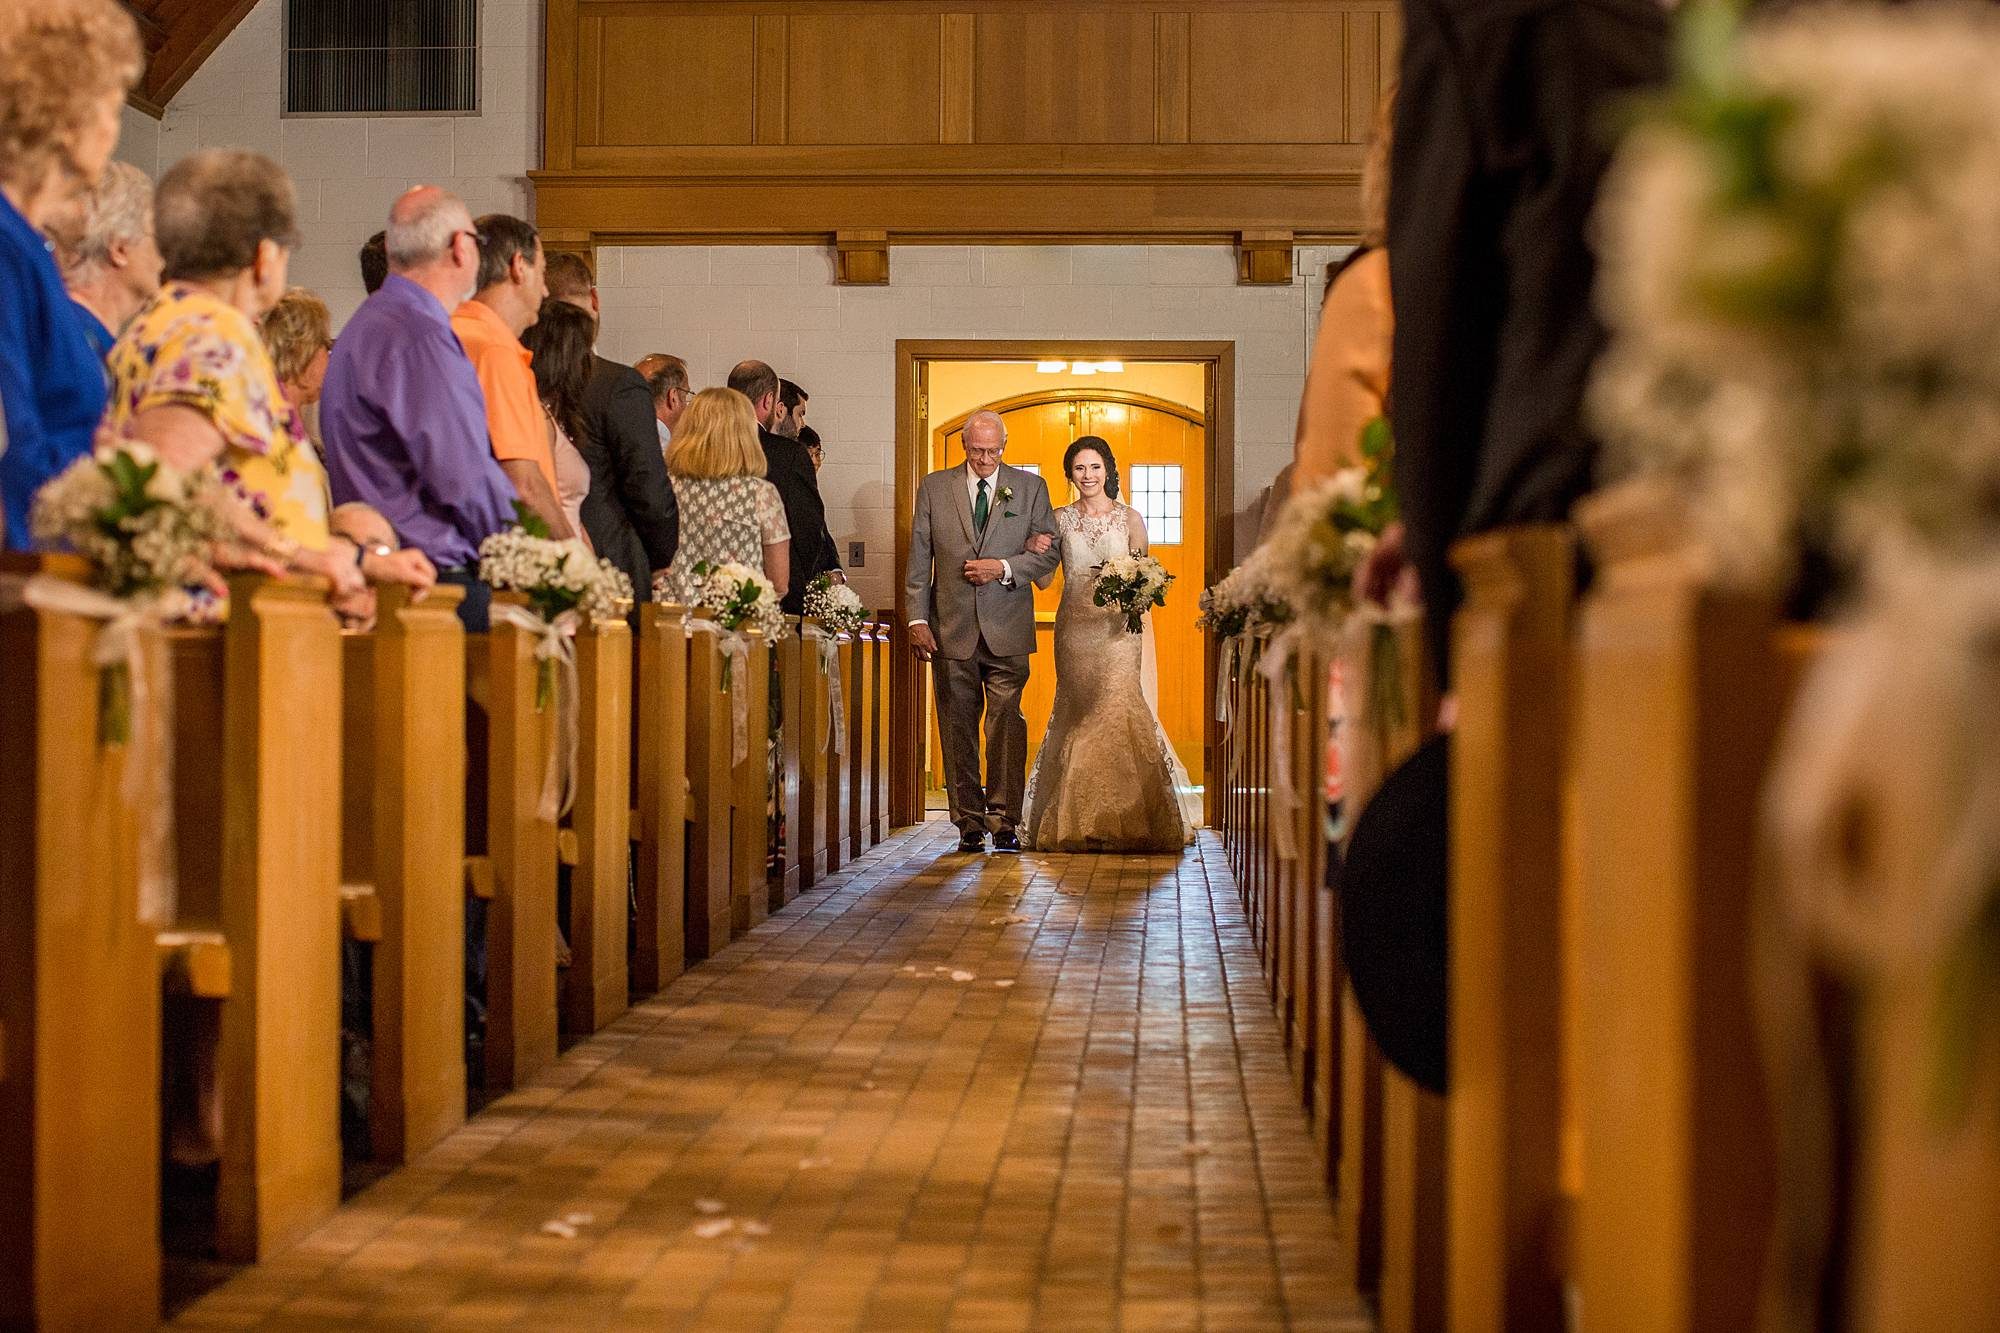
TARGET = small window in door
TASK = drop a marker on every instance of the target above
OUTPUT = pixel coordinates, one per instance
(1156, 494)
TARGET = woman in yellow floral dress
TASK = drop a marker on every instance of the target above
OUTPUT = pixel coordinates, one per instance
(191, 377)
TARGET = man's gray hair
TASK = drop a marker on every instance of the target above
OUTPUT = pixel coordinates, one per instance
(421, 230)
(985, 414)
(119, 209)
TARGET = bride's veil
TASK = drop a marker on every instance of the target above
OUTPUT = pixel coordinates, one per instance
(1149, 685)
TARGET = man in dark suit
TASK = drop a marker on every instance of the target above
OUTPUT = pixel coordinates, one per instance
(790, 469)
(1502, 137)
(630, 512)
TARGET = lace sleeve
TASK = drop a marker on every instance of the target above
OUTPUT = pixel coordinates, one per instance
(1135, 531)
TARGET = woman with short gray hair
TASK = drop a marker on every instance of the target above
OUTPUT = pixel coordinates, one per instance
(110, 260)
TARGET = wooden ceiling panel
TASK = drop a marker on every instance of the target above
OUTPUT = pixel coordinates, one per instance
(179, 35)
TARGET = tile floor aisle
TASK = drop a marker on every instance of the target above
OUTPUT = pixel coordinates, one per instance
(984, 1093)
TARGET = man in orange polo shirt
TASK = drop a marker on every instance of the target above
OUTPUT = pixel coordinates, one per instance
(512, 284)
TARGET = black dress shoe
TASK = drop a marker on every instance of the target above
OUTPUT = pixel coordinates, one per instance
(1006, 840)
(972, 842)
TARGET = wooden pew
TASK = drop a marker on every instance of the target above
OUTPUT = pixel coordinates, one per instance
(791, 673)
(512, 849)
(597, 985)
(79, 995)
(881, 727)
(710, 775)
(258, 760)
(660, 953)
(813, 766)
(403, 740)
(750, 794)
(1506, 1110)
(834, 799)
(860, 770)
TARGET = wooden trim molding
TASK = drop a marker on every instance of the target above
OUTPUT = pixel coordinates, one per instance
(1264, 258)
(861, 258)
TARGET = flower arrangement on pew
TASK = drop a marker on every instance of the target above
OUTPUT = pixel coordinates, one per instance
(1326, 531)
(1135, 584)
(1245, 603)
(565, 586)
(741, 598)
(837, 607)
(1801, 275)
(146, 527)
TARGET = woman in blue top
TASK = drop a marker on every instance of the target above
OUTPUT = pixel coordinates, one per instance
(65, 68)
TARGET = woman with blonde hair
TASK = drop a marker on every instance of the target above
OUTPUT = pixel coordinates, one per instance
(65, 68)
(729, 513)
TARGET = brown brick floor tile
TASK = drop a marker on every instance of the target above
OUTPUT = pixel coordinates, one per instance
(1110, 1141)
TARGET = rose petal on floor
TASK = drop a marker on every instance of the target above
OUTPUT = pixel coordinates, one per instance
(710, 1207)
(560, 1228)
(579, 1219)
(1004, 983)
(961, 975)
(756, 1228)
(715, 1226)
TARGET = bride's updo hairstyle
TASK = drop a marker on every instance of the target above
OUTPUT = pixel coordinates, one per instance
(1094, 444)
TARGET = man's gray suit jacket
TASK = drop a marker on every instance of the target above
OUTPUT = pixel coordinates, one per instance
(942, 539)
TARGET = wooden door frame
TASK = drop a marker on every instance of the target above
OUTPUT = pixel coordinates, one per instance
(913, 447)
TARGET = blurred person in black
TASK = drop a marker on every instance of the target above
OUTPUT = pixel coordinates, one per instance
(790, 469)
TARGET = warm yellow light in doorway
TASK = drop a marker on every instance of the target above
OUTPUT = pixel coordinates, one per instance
(1080, 367)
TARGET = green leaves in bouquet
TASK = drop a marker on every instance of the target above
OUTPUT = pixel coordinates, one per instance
(528, 521)
(1377, 508)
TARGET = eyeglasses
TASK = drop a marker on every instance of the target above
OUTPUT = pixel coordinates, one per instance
(465, 231)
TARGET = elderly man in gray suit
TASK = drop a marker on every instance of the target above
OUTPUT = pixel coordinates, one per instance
(982, 535)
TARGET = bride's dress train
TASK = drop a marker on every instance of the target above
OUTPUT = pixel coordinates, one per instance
(1107, 778)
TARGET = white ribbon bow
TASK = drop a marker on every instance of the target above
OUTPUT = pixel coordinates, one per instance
(555, 649)
(1276, 668)
(149, 751)
(836, 707)
(736, 649)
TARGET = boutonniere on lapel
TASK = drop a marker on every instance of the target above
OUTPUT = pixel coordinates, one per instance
(1007, 498)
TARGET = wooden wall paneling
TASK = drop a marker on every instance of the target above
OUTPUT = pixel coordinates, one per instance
(502, 674)
(1362, 72)
(79, 1000)
(680, 79)
(416, 684)
(864, 78)
(773, 57)
(1297, 93)
(597, 986)
(278, 1062)
(1170, 77)
(958, 87)
(1065, 76)
(563, 83)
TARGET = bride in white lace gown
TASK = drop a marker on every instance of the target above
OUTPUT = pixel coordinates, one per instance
(1107, 778)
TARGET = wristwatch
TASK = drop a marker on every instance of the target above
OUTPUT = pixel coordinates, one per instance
(362, 550)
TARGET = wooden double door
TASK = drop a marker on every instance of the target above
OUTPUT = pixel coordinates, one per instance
(1162, 450)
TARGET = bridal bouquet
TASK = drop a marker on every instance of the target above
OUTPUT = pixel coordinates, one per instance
(836, 606)
(1135, 584)
(146, 527)
(1801, 273)
(741, 598)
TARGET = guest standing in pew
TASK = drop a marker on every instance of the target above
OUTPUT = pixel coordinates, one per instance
(298, 333)
(730, 513)
(190, 375)
(375, 262)
(666, 379)
(789, 417)
(65, 68)
(489, 324)
(1501, 142)
(402, 414)
(631, 513)
(788, 468)
(559, 343)
(110, 259)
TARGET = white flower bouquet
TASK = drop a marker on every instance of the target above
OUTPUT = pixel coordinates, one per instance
(146, 528)
(1135, 584)
(144, 525)
(557, 576)
(1245, 601)
(836, 606)
(741, 598)
(1801, 273)
(1326, 531)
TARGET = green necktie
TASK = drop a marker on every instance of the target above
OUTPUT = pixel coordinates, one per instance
(979, 507)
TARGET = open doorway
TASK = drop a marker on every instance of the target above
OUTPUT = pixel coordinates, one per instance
(1166, 410)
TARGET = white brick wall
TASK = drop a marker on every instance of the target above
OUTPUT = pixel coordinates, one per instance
(716, 306)
(349, 169)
